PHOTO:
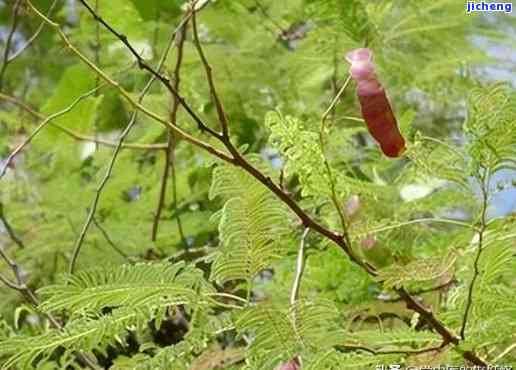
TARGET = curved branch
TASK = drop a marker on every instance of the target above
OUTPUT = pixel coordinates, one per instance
(78, 136)
(41, 126)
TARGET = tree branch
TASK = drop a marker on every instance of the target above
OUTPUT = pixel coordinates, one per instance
(125, 133)
(128, 96)
(10, 35)
(223, 120)
(144, 66)
(375, 352)
(109, 240)
(34, 35)
(76, 135)
(41, 126)
(9, 229)
(171, 141)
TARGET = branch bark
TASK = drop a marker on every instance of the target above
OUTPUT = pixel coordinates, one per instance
(171, 143)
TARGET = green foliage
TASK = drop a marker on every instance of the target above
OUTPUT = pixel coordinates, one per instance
(140, 285)
(423, 269)
(85, 334)
(210, 283)
(251, 222)
(301, 152)
(277, 335)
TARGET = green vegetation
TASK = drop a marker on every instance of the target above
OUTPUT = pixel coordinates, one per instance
(172, 195)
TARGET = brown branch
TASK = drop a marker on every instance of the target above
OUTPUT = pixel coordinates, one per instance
(34, 35)
(100, 188)
(109, 240)
(10, 35)
(76, 135)
(9, 229)
(428, 316)
(447, 335)
(240, 161)
(144, 66)
(40, 127)
(341, 240)
(213, 91)
(171, 140)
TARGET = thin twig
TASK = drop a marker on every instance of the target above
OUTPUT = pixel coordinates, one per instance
(109, 240)
(34, 35)
(171, 140)
(100, 187)
(128, 96)
(40, 127)
(335, 99)
(264, 12)
(334, 197)
(21, 104)
(144, 66)
(78, 136)
(425, 291)
(504, 353)
(300, 268)
(10, 35)
(9, 229)
(98, 191)
(175, 197)
(96, 58)
(223, 120)
(416, 221)
(484, 188)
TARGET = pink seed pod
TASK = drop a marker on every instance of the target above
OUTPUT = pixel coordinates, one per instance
(376, 109)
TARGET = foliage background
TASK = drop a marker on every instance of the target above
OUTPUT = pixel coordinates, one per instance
(212, 287)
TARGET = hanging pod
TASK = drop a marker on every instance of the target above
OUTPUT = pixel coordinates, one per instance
(376, 109)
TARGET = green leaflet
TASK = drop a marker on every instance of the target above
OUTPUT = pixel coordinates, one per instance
(140, 285)
(251, 224)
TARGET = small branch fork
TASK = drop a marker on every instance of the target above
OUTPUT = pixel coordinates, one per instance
(237, 159)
